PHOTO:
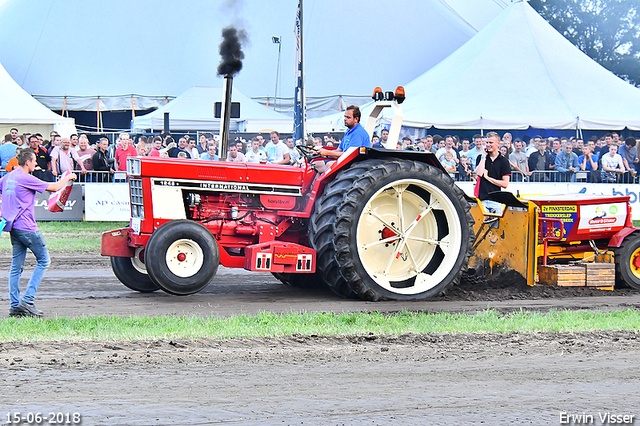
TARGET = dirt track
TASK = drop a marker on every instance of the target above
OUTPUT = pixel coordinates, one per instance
(427, 379)
(82, 284)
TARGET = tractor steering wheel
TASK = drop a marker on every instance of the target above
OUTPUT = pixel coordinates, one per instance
(308, 153)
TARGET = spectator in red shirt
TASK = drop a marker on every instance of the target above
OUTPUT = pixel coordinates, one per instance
(156, 147)
(124, 151)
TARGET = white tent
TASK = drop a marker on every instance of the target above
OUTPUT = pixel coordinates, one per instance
(194, 110)
(18, 109)
(153, 63)
(519, 72)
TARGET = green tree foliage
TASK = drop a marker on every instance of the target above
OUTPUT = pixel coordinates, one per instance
(608, 31)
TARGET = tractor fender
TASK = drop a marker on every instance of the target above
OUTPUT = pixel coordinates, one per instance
(422, 157)
(618, 238)
(365, 153)
(362, 154)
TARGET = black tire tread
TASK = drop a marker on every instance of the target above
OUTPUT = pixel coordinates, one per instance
(622, 256)
(158, 271)
(322, 225)
(131, 277)
(346, 215)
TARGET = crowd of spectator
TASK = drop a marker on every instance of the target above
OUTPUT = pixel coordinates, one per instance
(605, 159)
(98, 162)
(608, 159)
(57, 155)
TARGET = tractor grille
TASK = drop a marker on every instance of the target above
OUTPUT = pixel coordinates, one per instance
(137, 205)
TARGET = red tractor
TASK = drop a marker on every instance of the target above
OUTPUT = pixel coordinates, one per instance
(377, 224)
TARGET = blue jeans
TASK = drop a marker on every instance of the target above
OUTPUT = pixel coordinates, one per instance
(21, 241)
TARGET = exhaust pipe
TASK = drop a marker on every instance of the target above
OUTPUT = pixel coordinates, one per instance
(225, 115)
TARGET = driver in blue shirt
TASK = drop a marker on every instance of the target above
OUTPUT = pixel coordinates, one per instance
(356, 136)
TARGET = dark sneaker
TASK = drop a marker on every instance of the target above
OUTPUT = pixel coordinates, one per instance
(16, 311)
(29, 309)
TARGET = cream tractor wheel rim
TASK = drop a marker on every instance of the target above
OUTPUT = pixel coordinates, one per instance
(184, 258)
(397, 236)
(136, 261)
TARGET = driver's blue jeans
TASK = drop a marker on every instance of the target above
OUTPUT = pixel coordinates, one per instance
(21, 241)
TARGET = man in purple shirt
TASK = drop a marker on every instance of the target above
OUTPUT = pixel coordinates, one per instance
(18, 190)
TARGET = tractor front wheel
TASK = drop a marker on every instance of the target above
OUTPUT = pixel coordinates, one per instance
(627, 261)
(185, 257)
(132, 272)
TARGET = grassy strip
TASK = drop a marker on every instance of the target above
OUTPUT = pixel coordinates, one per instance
(269, 325)
(69, 236)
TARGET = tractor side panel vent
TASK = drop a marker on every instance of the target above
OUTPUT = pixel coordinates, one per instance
(216, 173)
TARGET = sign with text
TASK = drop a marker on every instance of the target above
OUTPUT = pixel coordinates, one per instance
(73, 208)
(107, 202)
(528, 189)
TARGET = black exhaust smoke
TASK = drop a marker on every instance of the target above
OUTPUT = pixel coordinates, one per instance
(230, 65)
(231, 51)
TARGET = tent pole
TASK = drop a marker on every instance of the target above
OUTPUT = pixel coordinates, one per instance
(98, 114)
(578, 129)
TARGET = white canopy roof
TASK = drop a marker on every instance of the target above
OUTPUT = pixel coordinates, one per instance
(519, 72)
(194, 110)
(150, 63)
(19, 109)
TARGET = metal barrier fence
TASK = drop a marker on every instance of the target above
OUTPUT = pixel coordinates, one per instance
(536, 176)
(101, 177)
(586, 177)
(93, 176)
(555, 176)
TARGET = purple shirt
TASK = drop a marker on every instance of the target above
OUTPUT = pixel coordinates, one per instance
(18, 190)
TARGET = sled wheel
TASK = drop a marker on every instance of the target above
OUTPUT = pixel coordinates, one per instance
(403, 231)
(185, 257)
(322, 226)
(132, 272)
(627, 261)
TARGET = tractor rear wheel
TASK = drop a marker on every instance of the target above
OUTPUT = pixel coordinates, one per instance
(322, 226)
(184, 256)
(627, 261)
(132, 272)
(402, 231)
